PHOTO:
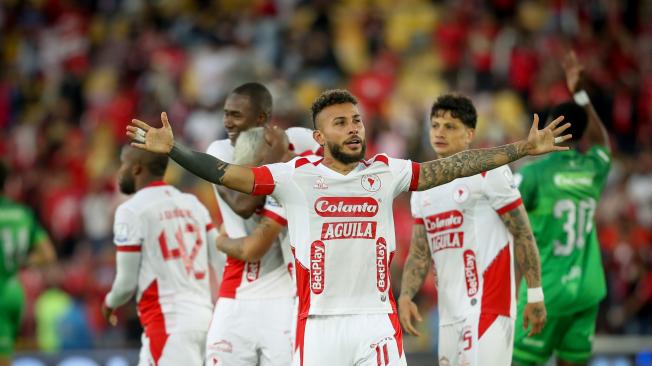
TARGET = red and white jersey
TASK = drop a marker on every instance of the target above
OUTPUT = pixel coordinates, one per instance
(173, 232)
(268, 277)
(342, 230)
(471, 248)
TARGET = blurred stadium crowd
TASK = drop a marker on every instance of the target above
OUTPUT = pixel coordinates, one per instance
(73, 73)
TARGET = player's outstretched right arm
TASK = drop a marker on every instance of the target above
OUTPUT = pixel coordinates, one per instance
(161, 140)
(414, 273)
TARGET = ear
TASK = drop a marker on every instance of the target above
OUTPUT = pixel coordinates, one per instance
(317, 135)
(470, 134)
(262, 118)
(136, 169)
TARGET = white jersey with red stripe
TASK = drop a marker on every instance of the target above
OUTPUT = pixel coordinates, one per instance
(267, 278)
(174, 232)
(342, 230)
(472, 250)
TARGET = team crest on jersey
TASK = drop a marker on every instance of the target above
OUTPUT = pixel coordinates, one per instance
(121, 233)
(320, 183)
(461, 193)
(370, 182)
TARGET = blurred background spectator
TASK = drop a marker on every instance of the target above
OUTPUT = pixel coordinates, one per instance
(73, 74)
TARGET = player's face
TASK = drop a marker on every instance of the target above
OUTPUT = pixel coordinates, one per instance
(239, 115)
(449, 135)
(341, 132)
(126, 180)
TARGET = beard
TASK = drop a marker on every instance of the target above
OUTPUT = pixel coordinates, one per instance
(342, 157)
(127, 185)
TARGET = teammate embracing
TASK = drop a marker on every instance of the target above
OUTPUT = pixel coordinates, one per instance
(471, 228)
(340, 222)
(560, 193)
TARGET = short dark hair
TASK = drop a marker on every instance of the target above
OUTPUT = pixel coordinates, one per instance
(4, 174)
(259, 96)
(329, 98)
(459, 106)
(574, 114)
(156, 164)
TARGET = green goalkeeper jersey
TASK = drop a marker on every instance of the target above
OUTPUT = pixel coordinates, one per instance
(561, 192)
(19, 233)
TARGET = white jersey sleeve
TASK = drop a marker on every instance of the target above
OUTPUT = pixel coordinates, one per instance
(406, 175)
(273, 179)
(500, 190)
(415, 207)
(274, 211)
(128, 230)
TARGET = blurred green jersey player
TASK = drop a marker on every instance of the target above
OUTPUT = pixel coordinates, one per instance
(561, 192)
(22, 242)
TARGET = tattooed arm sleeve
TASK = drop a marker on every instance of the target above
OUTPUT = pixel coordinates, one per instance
(467, 163)
(525, 248)
(417, 264)
(207, 167)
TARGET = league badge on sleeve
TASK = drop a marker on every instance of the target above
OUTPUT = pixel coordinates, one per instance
(121, 233)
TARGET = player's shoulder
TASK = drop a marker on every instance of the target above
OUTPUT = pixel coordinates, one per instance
(220, 148)
(302, 141)
(600, 152)
(303, 162)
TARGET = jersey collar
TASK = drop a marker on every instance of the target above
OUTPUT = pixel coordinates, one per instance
(156, 183)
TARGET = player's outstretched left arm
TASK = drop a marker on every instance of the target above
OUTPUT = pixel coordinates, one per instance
(472, 162)
(528, 263)
(161, 140)
(252, 247)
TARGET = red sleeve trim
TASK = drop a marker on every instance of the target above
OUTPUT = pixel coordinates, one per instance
(414, 182)
(128, 248)
(418, 221)
(210, 226)
(263, 181)
(274, 216)
(510, 206)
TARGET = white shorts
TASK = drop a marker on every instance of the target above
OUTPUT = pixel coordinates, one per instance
(250, 333)
(461, 344)
(349, 340)
(186, 348)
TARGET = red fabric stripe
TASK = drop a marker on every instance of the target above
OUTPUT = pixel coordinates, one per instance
(274, 216)
(378, 360)
(510, 206)
(393, 317)
(156, 183)
(153, 320)
(386, 354)
(263, 181)
(419, 221)
(320, 151)
(128, 248)
(303, 292)
(414, 183)
(301, 332)
(301, 162)
(483, 174)
(496, 289)
(232, 277)
(485, 322)
(210, 226)
(382, 159)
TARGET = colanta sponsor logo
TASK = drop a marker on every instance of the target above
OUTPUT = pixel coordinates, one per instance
(444, 221)
(346, 207)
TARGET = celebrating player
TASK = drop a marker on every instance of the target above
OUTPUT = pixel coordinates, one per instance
(340, 222)
(242, 332)
(560, 193)
(164, 242)
(470, 228)
(22, 242)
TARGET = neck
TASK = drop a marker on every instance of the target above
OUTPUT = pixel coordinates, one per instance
(338, 166)
(146, 181)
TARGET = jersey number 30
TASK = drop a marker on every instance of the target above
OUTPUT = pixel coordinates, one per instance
(579, 222)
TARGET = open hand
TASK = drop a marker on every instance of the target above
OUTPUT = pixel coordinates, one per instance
(407, 311)
(146, 137)
(534, 315)
(573, 70)
(547, 139)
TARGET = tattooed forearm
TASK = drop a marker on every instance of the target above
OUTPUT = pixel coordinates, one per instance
(202, 165)
(417, 264)
(467, 163)
(525, 248)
